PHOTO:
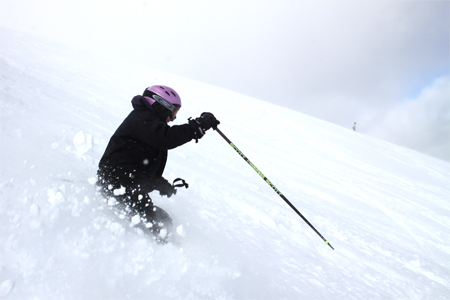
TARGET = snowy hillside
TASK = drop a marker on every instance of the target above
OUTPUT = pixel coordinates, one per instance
(386, 209)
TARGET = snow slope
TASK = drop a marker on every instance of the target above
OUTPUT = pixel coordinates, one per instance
(385, 208)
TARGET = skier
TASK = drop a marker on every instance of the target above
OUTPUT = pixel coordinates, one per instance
(354, 126)
(136, 155)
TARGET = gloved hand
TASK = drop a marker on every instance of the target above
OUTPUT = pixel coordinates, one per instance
(165, 188)
(207, 121)
(203, 123)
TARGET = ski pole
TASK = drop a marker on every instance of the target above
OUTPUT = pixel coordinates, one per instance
(271, 185)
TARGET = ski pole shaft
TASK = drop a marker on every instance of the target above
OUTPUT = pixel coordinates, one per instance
(271, 185)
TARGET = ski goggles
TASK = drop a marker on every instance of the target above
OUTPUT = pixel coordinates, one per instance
(166, 104)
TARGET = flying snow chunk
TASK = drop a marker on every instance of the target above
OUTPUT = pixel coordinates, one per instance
(120, 191)
(135, 220)
(180, 231)
(112, 201)
(163, 233)
(82, 142)
(55, 196)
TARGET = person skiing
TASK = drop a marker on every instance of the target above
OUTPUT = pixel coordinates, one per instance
(135, 157)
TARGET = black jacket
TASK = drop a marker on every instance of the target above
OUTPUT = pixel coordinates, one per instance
(137, 152)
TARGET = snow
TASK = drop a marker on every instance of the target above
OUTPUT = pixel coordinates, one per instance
(384, 208)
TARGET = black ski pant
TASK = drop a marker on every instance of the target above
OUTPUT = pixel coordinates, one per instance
(133, 198)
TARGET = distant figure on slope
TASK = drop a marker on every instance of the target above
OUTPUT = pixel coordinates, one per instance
(354, 126)
(136, 155)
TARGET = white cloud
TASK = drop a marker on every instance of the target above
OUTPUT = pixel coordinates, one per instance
(422, 124)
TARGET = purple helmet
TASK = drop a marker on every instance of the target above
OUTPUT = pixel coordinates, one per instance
(170, 99)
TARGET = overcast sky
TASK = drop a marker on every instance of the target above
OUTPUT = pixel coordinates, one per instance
(382, 64)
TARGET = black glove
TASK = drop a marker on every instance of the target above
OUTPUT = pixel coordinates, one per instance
(203, 123)
(207, 121)
(165, 188)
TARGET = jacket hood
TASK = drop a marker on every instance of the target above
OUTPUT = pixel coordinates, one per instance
(141, 102)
